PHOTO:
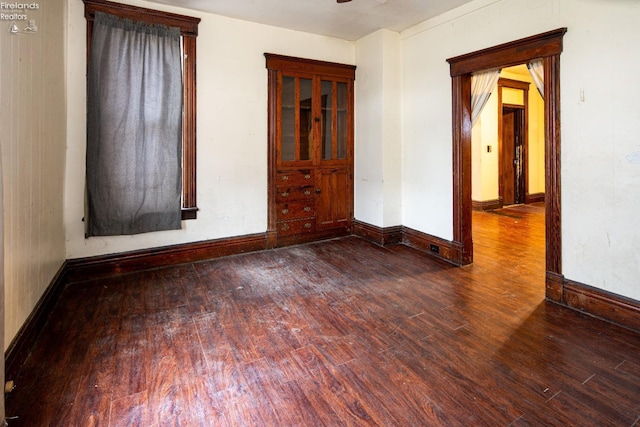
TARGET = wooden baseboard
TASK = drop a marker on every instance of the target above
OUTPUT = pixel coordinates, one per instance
(553, 287)
(435, 246)
(24, 340)
(534, 198)
(379, 235)
(108, 265)
(604, 305)
(486, 205)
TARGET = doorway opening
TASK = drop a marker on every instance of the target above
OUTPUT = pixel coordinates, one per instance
(547, 47)
(507, 139)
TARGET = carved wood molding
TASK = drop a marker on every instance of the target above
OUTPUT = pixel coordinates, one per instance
(188, 25)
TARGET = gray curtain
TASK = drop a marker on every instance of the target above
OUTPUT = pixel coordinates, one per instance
(134, 128)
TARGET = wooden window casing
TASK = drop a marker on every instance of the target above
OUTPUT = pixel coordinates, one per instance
(189, 31)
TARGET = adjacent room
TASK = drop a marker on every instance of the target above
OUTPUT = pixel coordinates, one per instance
(320, 212)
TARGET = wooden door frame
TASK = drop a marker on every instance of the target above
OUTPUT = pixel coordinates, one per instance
(548, 47)
(524, 87)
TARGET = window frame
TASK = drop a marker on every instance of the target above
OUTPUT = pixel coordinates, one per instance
(188, 31)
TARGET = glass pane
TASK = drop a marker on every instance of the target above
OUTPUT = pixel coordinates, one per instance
(306, 121)
(343, 130)
(288, 120)
(327, 120)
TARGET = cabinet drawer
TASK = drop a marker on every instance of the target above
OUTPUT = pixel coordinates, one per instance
(293, 210)
(296, 227)
(297, 178)
(286, 194)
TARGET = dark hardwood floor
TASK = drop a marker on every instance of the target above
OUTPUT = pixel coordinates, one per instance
(341, 332)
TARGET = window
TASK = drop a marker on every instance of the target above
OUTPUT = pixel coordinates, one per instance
(188, 32)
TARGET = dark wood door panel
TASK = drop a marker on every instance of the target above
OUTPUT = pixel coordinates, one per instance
(333, 199)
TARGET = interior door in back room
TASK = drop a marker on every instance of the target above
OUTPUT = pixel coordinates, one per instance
(512, 157)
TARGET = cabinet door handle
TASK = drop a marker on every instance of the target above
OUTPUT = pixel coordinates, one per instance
(285, 211)
(285, 194)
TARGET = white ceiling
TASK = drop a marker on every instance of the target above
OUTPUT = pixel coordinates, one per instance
(349, 21)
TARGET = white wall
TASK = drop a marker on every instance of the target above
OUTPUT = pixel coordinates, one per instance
(378, 149)
(600, 149)
(32, 134)
(231, 130)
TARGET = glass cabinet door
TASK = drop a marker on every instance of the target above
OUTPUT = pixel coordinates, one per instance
(342, 124)
(326, 128)
(334, 132)
(296, 131)
(288, 120)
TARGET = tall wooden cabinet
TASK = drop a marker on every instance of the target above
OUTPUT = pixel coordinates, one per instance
(310, 149)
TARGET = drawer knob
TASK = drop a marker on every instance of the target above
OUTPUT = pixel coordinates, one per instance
(285, 177)
(307, 176)
(307, 225)
(285, 194)
(285, 211)
(307, 192)
(307, 209)
(284, 227)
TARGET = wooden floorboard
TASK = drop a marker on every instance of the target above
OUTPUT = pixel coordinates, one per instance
(342, 332)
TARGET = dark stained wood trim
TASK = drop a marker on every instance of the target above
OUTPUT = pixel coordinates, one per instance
(21, 345)
(604, 305)
(547, 46)
(553, 286)
(486, 205)
(462, 218)
(435, 246)
(553, 225)
(82, 269)
(188, 25)
(379, 235)
(311, 66)
(272, 157)
(534, 198)
(509, 54)
(515, 84)
(189, 131)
